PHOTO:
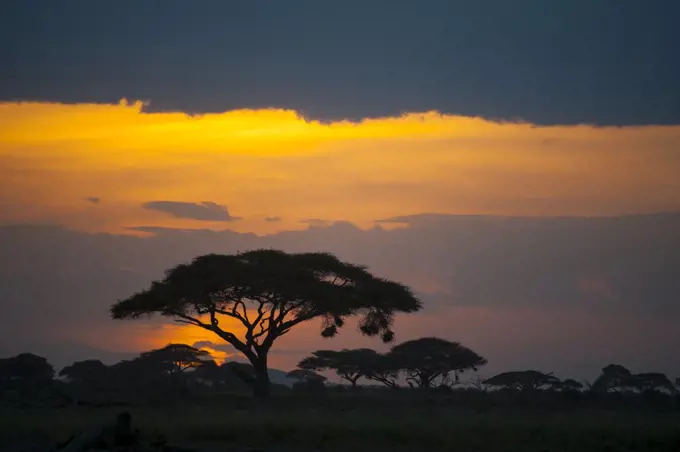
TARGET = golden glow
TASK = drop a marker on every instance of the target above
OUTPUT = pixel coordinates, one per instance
(274, 163)
(266, 163)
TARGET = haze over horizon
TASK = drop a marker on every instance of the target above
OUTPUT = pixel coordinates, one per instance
(519, 167)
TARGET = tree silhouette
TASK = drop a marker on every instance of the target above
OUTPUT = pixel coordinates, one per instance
(176, 358)
(25, 370)
(569, 385)
(652, 381)
(208, 371)
(230, 374)
(348, 364)
(136, 376)
(524, 380)
(427, 359)
(85, 372)
(27, 375)
(243, 371)
(270, 292)
(384, 369)
(613, 377)
(306, 379)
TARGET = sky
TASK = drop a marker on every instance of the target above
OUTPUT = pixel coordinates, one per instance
(516, 163)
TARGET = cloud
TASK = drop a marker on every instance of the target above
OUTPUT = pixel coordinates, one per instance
(226, 348)
(316, 222)
(276, 163)
(272, 219)
(564, 294)
(93, 199)
(166, 230)
(483, 58)
(204, 211)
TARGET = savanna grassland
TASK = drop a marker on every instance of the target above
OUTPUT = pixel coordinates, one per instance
(330, 423)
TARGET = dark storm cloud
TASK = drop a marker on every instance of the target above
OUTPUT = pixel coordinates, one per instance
(546, 62)
(272, 219)
(204, 211)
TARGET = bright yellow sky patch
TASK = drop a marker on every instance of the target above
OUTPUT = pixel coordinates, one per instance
(273, 163)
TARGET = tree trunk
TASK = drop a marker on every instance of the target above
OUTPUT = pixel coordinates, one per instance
(262, 384)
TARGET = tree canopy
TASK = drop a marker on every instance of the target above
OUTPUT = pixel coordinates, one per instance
(270, 292)
(431, 360)
(87, 371)
(25, 369)
(523, 380)
(348, 364)
(385, 369)
(615, 377)
(652, 381)
(174, 358)
(306, 379)
(569, 385)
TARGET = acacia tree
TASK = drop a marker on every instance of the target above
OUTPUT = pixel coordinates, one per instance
(429, 359)
(306, 379)
(28, 374)
(384, 369)
(85, 372)
(176, 358)
(270, 292)
(25, 370)
(523, 380)
(652, 381)
(569, 385)
(614, 377)
(348, 364)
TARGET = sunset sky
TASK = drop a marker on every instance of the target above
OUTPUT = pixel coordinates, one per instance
(518, 166)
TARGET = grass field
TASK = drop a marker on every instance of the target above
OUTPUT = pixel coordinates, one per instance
(302, 427)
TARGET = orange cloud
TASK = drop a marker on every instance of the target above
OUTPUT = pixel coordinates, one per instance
(265, 163)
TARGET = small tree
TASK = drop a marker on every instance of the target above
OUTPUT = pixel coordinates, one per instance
(208, 372)
(614, 377)
(176, 358)
(306, 379)
(270, 292)
(652, 381)
(348, 364)
(429, 359)
(85, 372)
(28, 375)
(569, 385)
(25, 370)
(89, 379)
(384, 369)
(523, 381)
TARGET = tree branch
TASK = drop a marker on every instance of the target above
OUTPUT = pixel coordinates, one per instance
(285, 326)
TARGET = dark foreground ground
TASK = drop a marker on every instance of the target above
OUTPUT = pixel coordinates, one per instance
(302, 426)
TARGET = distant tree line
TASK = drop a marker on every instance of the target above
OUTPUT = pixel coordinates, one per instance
(181, 372)
(429, 363)
(423, 363)
(173, 371)
(269, 292)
